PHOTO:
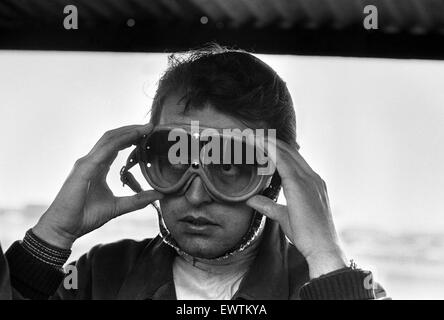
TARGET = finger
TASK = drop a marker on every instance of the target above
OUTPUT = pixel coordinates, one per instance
(282, 159)
(104, 157)
(123, 140)
(136, 202)
(120, 138)
(288, 160)
(108, 153)
(103, 154)
(294, 152)
(267, 207)
(109, 135)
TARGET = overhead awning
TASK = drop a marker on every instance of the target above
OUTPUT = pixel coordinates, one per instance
(406, 28)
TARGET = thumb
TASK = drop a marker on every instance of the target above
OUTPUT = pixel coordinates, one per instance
(267, 207)
(136, 202)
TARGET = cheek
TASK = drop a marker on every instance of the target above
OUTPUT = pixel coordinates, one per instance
(169, 205)
(235, 220)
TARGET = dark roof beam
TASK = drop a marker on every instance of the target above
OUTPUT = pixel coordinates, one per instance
(236, 11)
(263, 12)
(211, 10)
(345, 12)
(318, 14)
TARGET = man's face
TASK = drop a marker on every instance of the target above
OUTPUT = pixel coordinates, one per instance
(224, 224)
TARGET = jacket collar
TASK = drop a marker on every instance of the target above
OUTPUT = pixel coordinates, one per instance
(267, 279)
(152, 275)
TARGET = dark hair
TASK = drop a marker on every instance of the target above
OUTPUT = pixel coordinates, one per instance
(233, 81)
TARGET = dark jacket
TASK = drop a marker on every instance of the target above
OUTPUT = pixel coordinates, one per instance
(143, 270)
(5, 286)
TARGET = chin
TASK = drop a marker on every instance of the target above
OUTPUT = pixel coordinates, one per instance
(201, 247)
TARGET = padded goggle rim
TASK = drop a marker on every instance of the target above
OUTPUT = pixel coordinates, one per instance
(261, 182)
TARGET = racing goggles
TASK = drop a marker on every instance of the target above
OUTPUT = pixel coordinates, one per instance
(232, 164)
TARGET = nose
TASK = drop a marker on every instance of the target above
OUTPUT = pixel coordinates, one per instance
(196, 193)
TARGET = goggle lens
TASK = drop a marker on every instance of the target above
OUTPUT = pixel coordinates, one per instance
(233, 171)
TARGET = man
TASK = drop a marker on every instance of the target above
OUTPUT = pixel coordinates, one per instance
(208, 248)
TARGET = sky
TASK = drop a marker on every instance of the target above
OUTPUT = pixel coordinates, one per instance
(372, 128)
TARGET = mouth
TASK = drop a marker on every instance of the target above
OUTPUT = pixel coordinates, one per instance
(199, 224)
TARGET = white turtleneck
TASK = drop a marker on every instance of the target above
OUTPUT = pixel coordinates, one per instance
(201, 279)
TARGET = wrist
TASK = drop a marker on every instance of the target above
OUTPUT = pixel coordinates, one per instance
(323, 262)
(53, 236)
(45, 252)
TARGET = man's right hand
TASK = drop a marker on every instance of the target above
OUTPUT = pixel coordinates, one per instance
(85, 202)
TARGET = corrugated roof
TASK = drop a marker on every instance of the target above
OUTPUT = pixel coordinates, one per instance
(217, 19)
(417, 16)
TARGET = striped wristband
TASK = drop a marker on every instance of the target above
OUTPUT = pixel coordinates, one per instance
(45, 252)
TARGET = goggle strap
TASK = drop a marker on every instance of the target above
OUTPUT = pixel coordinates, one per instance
(274, 188)
(127, 177)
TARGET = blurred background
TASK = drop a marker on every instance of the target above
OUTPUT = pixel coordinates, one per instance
(372, 128)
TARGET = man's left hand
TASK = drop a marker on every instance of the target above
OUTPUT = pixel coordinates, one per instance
(306, 219)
